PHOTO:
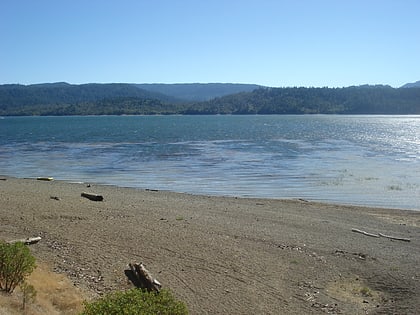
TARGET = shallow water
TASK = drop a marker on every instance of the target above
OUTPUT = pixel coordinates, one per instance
(363, 160)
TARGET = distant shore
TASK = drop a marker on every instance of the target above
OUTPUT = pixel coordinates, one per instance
(222, 255)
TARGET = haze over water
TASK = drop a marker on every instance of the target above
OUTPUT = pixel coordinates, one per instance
(363, 160)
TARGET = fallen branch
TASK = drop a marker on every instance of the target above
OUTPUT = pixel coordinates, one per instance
(26, 241)
(395, 238)
(364, 233)
(93, 197)
(144, 277)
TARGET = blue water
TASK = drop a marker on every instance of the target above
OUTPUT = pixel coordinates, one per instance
(363, 160)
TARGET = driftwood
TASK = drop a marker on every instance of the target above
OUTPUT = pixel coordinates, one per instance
(93, 197)
(381, 235)
(395, 238)
(48, 179)
(27, 241)
(143, 278)
(364, 233)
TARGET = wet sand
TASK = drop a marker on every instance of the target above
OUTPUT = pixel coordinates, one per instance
(222, 255)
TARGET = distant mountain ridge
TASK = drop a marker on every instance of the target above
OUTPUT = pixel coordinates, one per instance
(353, 100)
(197, 99)
(198, 91)
(65, 93)
(61, 98)
(411, 85)
(62, 92)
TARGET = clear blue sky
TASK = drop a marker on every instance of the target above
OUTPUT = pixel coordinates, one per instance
(277, 43)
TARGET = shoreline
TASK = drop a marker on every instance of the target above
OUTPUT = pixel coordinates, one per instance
(325, 202)
(222, 254)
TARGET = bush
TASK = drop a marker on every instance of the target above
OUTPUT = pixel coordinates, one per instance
(136, 302)
(28, 293)
(16, 263)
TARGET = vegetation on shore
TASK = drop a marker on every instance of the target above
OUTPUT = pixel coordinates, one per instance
(136, 301)
(126, 99)
(16, 264)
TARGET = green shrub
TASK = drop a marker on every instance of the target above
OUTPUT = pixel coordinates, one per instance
(16, 263)
(136, 302)
(28, 293)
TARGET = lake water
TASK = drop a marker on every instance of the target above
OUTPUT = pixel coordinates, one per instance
(363, 160)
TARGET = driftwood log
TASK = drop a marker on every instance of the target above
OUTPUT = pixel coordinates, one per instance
(48, 179)
(27, 241)
(395, 238)
(93, 197)
(144, 278)
(381, 235)
(364, 233)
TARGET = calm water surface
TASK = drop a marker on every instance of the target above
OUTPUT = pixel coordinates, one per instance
(364, 160)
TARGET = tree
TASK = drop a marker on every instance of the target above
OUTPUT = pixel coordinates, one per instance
(16, 263)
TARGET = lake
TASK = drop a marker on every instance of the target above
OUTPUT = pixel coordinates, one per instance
(362, 160)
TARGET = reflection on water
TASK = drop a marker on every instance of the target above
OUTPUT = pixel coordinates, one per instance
(368, 160)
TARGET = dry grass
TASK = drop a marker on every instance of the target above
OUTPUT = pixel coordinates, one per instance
(356, 293)
(55, 295)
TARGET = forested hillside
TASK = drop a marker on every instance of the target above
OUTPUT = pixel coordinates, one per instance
(64, 93)
(127, 99)
(351, 100)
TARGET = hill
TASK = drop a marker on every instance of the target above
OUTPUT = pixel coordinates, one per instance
(85, 99)
(129, 99)
(411, 85)
(198, 91)
(64, 93)
(366, 99)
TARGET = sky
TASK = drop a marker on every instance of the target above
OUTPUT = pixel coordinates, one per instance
(277, 43)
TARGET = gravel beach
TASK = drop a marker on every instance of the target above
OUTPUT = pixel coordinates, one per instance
(222, 255)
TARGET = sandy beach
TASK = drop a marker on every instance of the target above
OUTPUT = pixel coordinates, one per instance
(222, 255)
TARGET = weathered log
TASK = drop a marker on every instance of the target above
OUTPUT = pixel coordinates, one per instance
(395, 238)
(144, 277)
(27, 241)
(93, 197)
(364, 233)
(48, 179)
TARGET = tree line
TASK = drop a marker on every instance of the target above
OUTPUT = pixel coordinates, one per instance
(124, 100)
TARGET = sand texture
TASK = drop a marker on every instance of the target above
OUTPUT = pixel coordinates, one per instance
(222, 255)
